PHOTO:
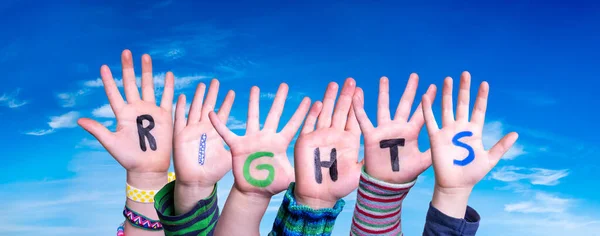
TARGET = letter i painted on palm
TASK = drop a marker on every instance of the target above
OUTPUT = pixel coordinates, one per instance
(202, 151)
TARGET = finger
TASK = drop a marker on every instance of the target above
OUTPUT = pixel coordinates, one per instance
(352, 123)
(408, 97)
(110, 87)
(432, 126)
(340, 115)
(211, 99)
(166, 101)
(99, 131)
(311, 118)
(462, 105)
(417, 119)
(383, 103)
(501, 147)
(196, 107)
(328, 103)
(359, 110)
(226, 105)
(447, 113)
(180, 114)
(478, 116)
(290, 129)
(252, 124)
(221, 128)
(129, 85)
(426, 159)
(147, 83)
(274, 115)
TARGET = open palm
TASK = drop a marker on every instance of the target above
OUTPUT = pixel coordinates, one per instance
(260, 163)
(459, 159)
(339, 132)
(399, 135)
(200, 155)
(135, 152)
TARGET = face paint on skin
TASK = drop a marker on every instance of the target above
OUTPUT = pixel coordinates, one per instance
(144, 132)
(393, 145)
(257, 182)
(202, 151)
(331, 164)
(456, 142)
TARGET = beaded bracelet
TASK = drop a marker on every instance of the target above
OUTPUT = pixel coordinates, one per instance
(121, 230)
(140, 221)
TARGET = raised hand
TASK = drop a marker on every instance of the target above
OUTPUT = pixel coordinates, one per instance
(260, 163)
(143, 139)
(326, 159)
(391, 150)
(459, 159)
(201, 159)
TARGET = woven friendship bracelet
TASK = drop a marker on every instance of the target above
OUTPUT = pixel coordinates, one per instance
(144, 196)
(140, 221)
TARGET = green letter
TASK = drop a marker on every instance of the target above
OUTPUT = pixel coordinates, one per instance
(259, 183)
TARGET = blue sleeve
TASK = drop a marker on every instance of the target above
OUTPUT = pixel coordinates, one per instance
(439, 224)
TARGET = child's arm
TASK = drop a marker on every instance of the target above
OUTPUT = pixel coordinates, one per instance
(392, 160)
(260, 164)
(190, 203)
(143, 141)
(326, 165)
(459, 159)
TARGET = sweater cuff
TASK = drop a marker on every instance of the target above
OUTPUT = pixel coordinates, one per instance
(439, 222)
(201, 220)
(296, 219)
(378, 206)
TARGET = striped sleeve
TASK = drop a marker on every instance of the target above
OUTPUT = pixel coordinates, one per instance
(378, 206)
(201, 220)
(294, 219)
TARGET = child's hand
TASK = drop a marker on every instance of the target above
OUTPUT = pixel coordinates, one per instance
(200, 156)
(391, 150)
(321, 181)
(459, 160)
(260, 162)
(142, 142)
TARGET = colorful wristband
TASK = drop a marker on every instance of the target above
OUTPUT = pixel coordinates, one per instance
(121, 230)
(140, 221)
(144, 196)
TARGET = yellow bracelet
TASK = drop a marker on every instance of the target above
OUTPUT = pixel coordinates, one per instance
(144, 196)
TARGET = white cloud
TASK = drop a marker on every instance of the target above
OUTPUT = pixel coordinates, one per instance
(68, 120)
(11, 100)
(89, 143)
(40, 132)
(235, 124)
(492, 133)
(536, 176)
(107, 123)
(105, 111)
(268, 95)
(543, 203)
(70, 99)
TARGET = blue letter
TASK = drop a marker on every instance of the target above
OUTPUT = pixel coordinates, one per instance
(471, 155)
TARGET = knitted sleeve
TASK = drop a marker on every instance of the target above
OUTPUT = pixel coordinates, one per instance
(378, 206)
(294, 219)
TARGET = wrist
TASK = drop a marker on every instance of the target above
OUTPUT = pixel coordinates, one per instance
(451, 201)
(147, 180)
(314, 203)
(252, 198)
(193, 190)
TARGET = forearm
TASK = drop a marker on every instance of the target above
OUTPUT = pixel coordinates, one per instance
(242, 213)
(295, 218)
(378, 206)
(146, 181)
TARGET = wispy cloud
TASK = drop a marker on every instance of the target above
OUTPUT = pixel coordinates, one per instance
(89, 143)
(536, 176)
(105, 111)
(10, 100)
(493, 132)
(542, 203)
(67, 120)
(70, 99)
(235, 124)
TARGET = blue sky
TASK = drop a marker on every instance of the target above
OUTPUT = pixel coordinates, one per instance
(540, 60)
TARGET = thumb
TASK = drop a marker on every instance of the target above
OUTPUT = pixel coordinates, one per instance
(501, 147)
(101, 133)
